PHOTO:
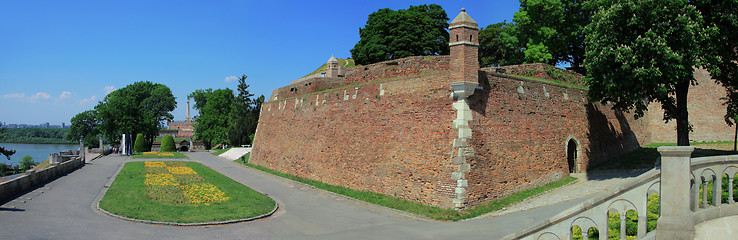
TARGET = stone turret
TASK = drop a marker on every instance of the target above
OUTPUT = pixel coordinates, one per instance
(332, 67)
(464, 45)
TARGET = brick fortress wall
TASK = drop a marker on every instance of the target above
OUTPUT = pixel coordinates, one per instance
(393, 136)
(388, 135)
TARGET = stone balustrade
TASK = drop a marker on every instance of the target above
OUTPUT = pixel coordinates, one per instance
(32, 178)
(678, 182)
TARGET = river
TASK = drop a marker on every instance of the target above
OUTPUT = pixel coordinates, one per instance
(39, 152)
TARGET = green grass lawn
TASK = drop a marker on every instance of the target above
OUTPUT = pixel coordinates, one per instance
(217, 152)
(159, 155)
(646, 156)
(416, 207)
(130, 196)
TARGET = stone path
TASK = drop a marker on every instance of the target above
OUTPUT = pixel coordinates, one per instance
(235, 153)
(65, 209)
(587, 185)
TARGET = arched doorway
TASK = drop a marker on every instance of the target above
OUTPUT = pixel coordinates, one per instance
(571, 155)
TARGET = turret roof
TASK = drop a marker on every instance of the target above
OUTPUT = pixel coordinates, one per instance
(463, 17)
(333, 59)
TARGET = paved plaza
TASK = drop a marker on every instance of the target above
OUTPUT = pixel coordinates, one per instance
(65, 209)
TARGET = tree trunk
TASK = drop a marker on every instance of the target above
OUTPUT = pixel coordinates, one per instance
(682, 115)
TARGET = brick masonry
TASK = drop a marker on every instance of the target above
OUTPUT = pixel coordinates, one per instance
(387, 128)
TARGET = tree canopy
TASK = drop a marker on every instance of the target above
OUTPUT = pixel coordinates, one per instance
(243, 118)
(84, 125)
(389, 34)
(3, 151)
(641, 51)
(214, 106)
(542, 31)
(141, 107)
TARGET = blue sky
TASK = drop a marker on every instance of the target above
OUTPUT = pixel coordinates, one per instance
(59, 58)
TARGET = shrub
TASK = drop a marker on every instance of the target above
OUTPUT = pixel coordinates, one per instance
(167, 145)
(27, 163)
(139, 145)
(252, 139)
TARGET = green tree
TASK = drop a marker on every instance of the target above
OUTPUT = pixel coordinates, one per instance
(141, 107)
(27, 163)
(139, 145)
(3, 151)
(548, 31)
(167, 144)
(241, 119)
(499, 45)
(389, 34)
(84, 124)
(640, 51)
(723, 15)
(214, 106)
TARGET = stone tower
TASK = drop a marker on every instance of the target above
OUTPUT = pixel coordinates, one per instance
(187, 118)
(464, 46)
(332, 67)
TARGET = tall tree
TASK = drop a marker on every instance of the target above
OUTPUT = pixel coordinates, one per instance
(389, 34)
(641, 51)
(723, 15)
(499, 45)
(3, 151)
(84, 125)
(241, 122)
(141, 107)
(548, 31)
(214, 106)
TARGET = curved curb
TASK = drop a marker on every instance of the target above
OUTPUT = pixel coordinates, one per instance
(276, 207)
(96, 207)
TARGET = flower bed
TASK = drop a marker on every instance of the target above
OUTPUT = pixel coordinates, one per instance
(181, 192)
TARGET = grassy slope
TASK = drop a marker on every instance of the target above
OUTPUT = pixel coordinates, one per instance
(127, 197)
(416, 207)
(220, 151)
(347, 63)
(176, 155)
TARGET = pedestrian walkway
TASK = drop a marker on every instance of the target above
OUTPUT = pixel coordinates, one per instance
(719, 228)
(65, 209)
(235, 153)
(587, 185)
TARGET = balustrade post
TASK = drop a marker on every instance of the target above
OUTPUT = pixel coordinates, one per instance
(622, 226)
(675, 222)
(704, 193)
(730, 190)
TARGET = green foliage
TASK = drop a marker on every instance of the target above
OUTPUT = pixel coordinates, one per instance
(141, 107)
(721, 16)
(127, 197)
(652, 44)
(244, 115)
(416, 207)
(497, 45)
(26, 163)
(160, 155)
(389, 34)
(251, 139)
(3, 151)
(653, 206)
(214, 106)
(36, 135)
(139, 144)
(548, 31)
(167, 145)
(85, 125)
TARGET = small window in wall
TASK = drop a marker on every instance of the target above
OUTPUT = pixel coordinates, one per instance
(470, 38)
(457, 37)
(571, 155)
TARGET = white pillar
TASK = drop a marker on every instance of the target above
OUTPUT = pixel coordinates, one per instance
(675, 222)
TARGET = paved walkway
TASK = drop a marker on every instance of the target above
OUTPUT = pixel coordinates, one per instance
(235, 153)
(64, 209)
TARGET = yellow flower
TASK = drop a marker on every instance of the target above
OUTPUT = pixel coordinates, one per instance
(154, 164)
(150, 153)
(166, 154)
(160, 179)
(181, 170)
(204, 194)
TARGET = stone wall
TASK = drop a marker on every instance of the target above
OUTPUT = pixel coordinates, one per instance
(32, 178)
(706, 111)
(363, 74)
(521, 128)
(391, 136)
